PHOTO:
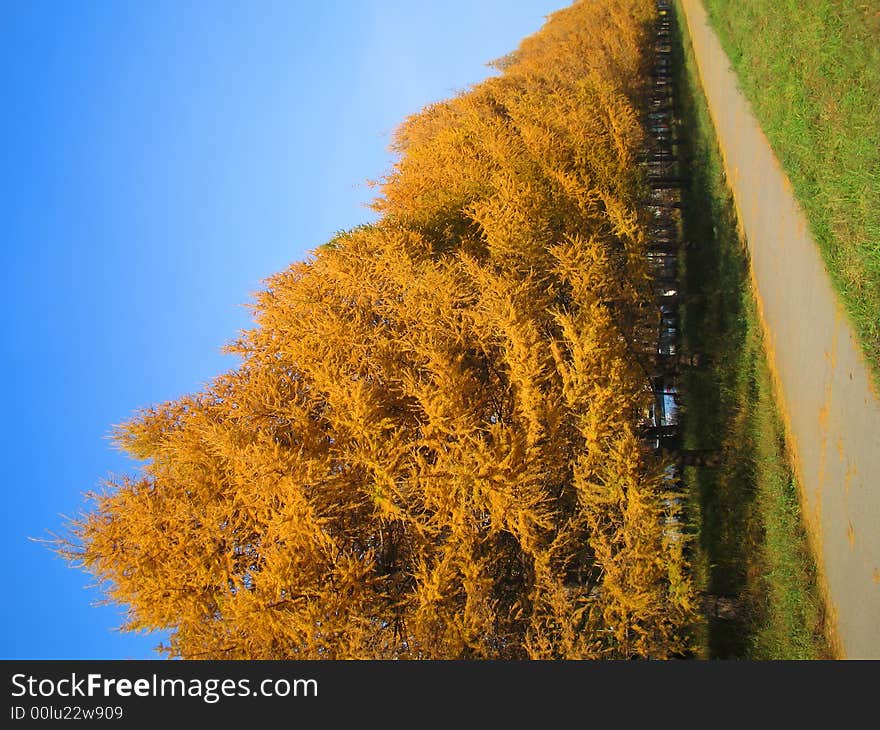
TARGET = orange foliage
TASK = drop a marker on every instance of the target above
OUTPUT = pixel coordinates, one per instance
(430, 448)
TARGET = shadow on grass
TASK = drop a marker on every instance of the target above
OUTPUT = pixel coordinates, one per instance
(752, 551)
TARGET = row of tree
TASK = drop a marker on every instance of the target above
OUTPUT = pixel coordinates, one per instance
(431, 448)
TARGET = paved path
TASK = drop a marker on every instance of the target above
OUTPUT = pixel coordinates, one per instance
(832, 414)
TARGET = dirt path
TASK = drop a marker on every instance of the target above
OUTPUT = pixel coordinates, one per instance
(832, 413)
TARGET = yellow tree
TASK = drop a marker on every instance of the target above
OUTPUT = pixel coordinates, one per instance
(429, 449)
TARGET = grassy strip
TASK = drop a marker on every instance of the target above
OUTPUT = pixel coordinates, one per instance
(752, 546)
(811, 70)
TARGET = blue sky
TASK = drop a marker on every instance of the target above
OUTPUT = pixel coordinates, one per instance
(159, 159)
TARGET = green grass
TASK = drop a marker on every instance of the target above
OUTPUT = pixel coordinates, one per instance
(751, 545)
(811, 71)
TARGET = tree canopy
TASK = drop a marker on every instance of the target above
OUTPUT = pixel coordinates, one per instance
(431, 446)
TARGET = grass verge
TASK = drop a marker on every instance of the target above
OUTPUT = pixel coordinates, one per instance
(752, 549)
(811, 71)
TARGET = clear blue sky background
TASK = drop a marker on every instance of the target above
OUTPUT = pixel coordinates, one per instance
(159, 159)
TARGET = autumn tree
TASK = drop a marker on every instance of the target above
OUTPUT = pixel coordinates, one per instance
(431, 446)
